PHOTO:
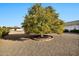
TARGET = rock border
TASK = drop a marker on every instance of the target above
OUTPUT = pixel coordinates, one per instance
(42, 39)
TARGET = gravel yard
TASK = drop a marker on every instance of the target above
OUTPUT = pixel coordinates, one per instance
(62, 45)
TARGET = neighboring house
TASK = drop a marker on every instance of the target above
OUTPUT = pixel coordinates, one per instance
(72, 27)
(16, 28)
(21, 29)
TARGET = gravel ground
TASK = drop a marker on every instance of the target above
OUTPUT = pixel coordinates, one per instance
(62, 45)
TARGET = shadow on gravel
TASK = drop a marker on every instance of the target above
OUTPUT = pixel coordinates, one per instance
(16, 37)
(22, 37)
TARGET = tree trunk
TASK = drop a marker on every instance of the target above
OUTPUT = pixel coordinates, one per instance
(42, 35)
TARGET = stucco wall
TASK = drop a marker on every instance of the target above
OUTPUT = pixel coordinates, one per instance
(72, 27)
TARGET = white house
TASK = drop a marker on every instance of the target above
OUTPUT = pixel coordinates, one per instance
(72, 27)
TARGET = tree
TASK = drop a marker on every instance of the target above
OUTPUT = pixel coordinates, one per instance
(40, 20)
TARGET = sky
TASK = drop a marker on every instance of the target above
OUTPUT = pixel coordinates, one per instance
(12, 14)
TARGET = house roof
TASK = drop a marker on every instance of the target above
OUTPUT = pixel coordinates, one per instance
(72, 23)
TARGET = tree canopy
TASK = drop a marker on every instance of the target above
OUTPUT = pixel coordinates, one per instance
(42, 20)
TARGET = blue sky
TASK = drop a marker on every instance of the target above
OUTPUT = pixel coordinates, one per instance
(12, 14)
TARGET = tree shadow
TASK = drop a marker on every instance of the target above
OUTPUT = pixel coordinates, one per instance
(22, 37)
(16, 37)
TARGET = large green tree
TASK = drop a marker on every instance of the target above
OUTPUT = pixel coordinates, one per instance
(42, 20)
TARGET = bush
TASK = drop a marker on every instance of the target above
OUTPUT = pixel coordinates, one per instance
(66, 30)
(0, 34)
(3, 31)
(74, 31)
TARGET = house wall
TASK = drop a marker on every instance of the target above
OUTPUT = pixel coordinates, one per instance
(21, 29)
(72, 27)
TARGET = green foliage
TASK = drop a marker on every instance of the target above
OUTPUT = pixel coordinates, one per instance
(0, 33)
(3, 31)
(40, 20)
(74, 31)
(66, 30)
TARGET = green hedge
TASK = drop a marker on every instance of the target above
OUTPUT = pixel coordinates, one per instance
(74, 31)
(66, 30)
(3, 31)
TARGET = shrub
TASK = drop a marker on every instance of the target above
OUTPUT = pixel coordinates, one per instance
(74, 31)
(3, 31)
(0, 33)
(66, 30)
